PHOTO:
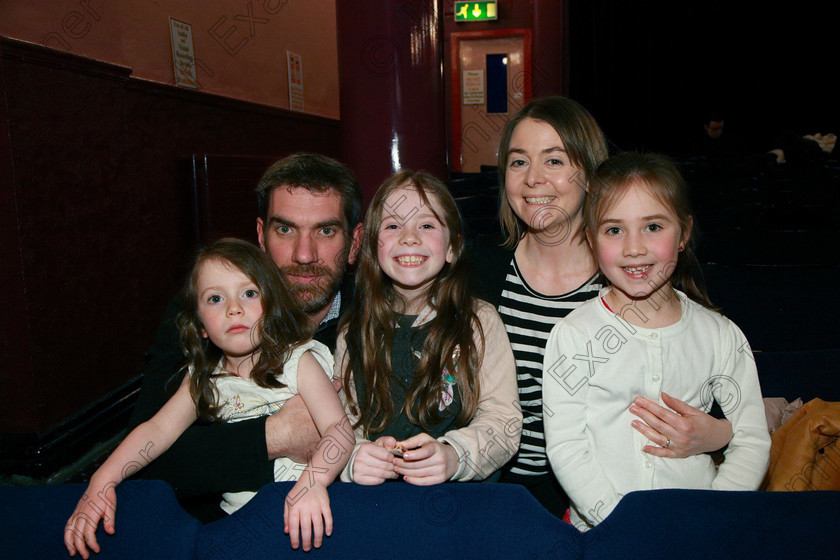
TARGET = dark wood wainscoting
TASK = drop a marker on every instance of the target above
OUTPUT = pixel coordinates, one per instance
(98, 218)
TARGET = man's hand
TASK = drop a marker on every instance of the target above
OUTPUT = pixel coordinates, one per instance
(290, 432)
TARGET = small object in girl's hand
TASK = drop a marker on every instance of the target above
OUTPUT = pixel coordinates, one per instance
(398, 450)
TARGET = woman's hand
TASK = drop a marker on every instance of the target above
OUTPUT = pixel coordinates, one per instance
(306, 514)
(97, 503)
(426, 461)
(681, 432)
(374, 463)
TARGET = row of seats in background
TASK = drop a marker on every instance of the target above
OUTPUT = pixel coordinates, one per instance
(765, 213)
(781, 218)
(774, 217)
(765, 243)
(477, 196)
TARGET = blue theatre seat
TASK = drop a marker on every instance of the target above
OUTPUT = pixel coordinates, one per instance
(397, 520)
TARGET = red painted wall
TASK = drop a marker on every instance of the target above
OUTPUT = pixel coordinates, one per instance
(97, 217)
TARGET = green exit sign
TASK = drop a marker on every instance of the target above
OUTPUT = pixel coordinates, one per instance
(475, 11)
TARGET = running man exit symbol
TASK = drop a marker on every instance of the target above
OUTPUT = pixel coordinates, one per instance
(475, 11)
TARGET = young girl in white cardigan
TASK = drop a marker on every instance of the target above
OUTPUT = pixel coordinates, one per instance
(651, 331)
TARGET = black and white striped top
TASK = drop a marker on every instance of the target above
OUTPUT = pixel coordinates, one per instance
(529, 317)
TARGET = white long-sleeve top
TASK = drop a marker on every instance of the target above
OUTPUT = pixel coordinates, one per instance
(596, 364)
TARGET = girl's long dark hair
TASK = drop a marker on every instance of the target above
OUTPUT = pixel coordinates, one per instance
(663, 180)
(283, 325)
(370, 323)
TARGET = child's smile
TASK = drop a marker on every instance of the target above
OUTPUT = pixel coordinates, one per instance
(638, 271)
(413, 244)
(410, 260)
(637, 244)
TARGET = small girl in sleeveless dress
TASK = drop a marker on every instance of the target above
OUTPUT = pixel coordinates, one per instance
(249, 350)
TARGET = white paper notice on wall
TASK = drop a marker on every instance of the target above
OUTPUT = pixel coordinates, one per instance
(183, 57)
(472, 88)
(294, 63)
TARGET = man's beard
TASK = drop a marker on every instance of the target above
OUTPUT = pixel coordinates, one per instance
(315, 296)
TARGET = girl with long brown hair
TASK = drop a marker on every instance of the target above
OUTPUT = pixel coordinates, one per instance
(428, 370)
(248, 350)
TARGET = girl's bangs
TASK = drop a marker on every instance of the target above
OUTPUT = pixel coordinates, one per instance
(610, 194)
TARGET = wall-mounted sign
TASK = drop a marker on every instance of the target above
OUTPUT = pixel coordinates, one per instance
(294, 62)
(472, 88)
(475, 11)
(183, 57)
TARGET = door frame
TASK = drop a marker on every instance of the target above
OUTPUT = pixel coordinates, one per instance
(455, 76)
